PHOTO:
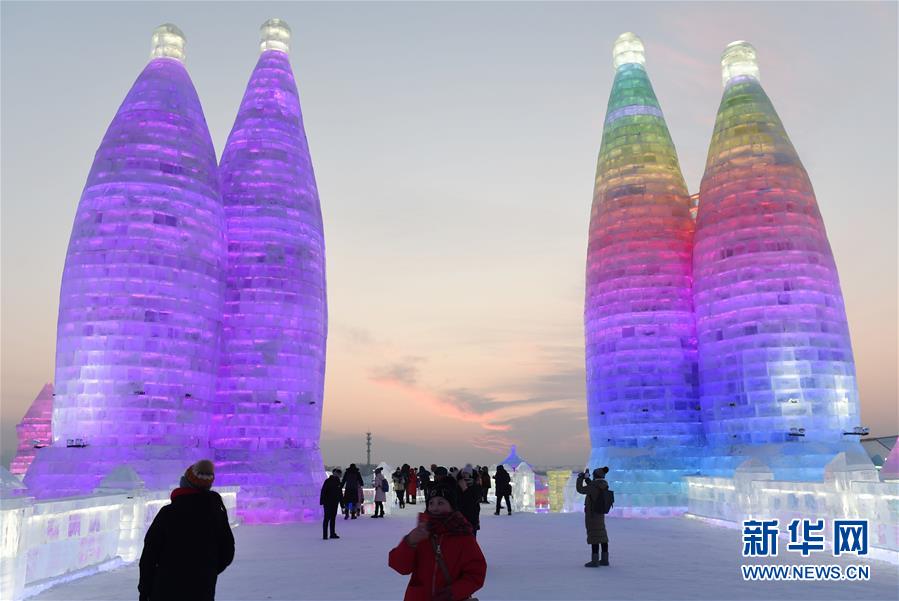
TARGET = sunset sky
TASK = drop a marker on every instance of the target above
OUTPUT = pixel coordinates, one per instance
(455, 146)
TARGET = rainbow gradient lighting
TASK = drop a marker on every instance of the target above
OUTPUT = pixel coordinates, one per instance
(141, 297)
(777, 375)
(643, 409)
(267, 421)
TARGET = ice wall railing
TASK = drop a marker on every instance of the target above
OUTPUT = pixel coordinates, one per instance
(848, 491)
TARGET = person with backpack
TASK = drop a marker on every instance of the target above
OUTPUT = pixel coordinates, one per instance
(399, 487)
(598, 502)
(440, 553)
(381, 488)
(189, 542)
(330, 498)
(503, 488)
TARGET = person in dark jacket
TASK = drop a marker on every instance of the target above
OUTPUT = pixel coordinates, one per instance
(424, 478)
(352, 482)
(503, 488)
(595, 520)
(329, 499)
(440, 553)
(189, 542)
(484, 474)
(470, 498)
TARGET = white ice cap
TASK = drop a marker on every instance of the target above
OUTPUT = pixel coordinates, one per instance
(275, 36)
(739, 59)
(628, 48)
(168, 42)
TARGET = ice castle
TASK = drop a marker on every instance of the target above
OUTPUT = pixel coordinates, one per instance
(703, 353)
(193, 323)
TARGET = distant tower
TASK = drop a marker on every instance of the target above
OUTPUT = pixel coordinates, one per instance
(34, 430)
(640, 338)
(777, 376)
(267, 421)
(141, 298)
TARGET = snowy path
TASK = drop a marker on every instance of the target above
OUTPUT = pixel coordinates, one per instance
(529, 557)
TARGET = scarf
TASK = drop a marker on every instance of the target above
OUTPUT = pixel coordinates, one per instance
(449, 523)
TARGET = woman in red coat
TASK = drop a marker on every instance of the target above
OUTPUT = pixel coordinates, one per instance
(411, 486)
(441, 532)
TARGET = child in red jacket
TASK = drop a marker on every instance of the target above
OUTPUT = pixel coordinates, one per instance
(441, 552)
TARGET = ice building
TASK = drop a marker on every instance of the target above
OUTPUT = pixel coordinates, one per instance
(268, 412)
(642, 402)
(34, 430)
(776, 372)
(141, 298)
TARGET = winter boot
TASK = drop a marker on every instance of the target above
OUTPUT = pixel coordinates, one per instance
(334, 535)
(594, 561)
(605, 559)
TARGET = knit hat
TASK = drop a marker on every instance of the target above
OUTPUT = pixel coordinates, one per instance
(446, 489)
(199, 475)
(600, 472)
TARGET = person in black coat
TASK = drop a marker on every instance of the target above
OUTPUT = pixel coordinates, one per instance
(189, 542)
(352, 480)
(330, 499)
(424, 478)
(470, 499)
(484, 474)
(503, 488)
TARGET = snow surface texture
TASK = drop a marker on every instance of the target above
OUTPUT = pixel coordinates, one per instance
(675, 558)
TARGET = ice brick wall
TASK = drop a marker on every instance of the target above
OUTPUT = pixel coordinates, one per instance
(775, 360)
(267, 419)
(640, 338)
(141, 298)
(34, 430)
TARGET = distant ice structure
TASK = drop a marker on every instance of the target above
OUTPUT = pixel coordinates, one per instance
(556, 481)
(776, 371)
(573, 501)
(640, 336)
(34, 430)
(267, 420)
(890, 469)
(523, 488)
(141, 297)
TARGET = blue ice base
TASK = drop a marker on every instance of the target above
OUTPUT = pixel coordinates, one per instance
(791, 461)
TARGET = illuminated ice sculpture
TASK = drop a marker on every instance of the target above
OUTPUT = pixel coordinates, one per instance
(34, 430)
(776, 371)
(267, 420)
(640, 339)
(140, 304)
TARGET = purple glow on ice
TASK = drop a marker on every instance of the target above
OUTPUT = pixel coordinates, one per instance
(141, 297)
(267, 421)
(34, 430)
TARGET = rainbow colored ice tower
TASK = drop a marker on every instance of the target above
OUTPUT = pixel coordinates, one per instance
(140, 305)
(776, 372)
(642, 403)
(267, 421)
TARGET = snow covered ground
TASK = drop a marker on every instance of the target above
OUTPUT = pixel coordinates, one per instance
(528, 557)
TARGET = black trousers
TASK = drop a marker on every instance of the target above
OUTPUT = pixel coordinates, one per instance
(330, 517)
(508, 502)
(379, 507)
(401, 497)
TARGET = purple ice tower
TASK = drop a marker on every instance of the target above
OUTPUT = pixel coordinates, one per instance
(267, 420)
(140, 306)
(777, 376)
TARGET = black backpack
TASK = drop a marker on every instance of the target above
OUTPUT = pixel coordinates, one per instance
(385, 487)
(605, 501)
